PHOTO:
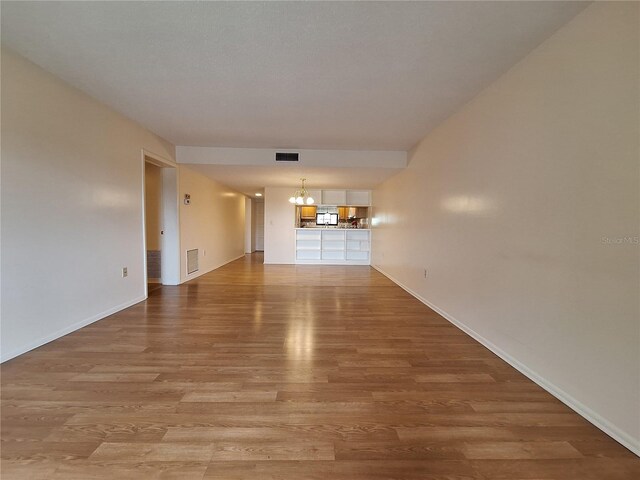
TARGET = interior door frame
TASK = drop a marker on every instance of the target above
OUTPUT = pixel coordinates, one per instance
(170, 240)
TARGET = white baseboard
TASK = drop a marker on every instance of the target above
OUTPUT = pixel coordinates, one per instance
(83, 323)
(603, 424)
(71, 328)
(204, 272)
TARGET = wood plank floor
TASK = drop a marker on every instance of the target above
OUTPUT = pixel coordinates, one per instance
(287, 372)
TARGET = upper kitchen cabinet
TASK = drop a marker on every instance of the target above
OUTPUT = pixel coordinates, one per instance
(358, 197)
(316, 195)
(308, 212)
(334, 197)
(346, 197)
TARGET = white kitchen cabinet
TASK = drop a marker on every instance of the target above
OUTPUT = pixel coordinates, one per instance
(358, 197)
(333, 246)
(316, 195)
(308, 243)
(357, 255)
(308, 234)
(358, 244)
(333, 255)
(358, 235)
(332, 240)
(334, 197)
(308, 255)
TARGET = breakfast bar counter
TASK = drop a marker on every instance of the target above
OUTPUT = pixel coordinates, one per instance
(333, 246)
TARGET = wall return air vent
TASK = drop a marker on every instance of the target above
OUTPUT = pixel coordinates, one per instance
(192, 261)
(286, 157)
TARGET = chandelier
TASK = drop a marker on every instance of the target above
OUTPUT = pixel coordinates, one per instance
(301, 196)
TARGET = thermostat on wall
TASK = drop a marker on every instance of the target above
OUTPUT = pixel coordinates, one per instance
(187, 199)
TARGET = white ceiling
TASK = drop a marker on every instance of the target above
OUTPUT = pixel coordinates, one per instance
(324, 75)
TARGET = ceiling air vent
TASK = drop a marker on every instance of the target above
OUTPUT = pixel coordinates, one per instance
(286, 157)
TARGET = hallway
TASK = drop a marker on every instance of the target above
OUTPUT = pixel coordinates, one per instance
(287, 372)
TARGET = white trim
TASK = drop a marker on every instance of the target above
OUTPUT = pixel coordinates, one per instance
(144, 225)
(160, 162)
(198, 273)
(71, 328)
(332, 262)
(603, 424)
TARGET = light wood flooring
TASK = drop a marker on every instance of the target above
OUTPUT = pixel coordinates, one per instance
(287, 372)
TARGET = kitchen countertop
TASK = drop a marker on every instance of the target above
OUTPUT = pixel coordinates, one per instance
(330, 228)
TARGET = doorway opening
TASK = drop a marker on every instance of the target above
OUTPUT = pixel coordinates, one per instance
(153, 224)
(160, 222)
(249, 243)
(257, 220)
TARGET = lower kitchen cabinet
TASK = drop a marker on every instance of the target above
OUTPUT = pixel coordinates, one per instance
(333, 246)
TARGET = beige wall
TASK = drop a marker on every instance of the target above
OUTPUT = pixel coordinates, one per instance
(515, 206)
(71, 207)
(279, 226)
(213, 222)
(153, 205)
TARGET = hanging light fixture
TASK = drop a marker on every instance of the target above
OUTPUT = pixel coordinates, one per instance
(301, 196)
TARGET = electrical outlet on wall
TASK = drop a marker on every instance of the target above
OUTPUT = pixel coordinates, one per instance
(124, 272)
(425, 273)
